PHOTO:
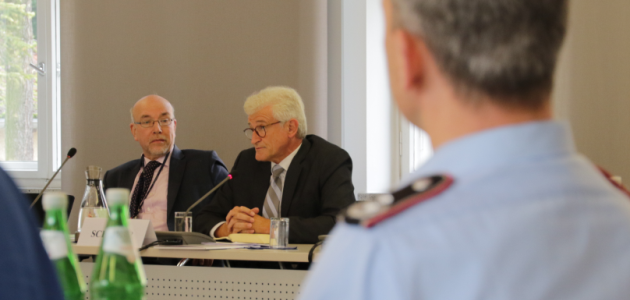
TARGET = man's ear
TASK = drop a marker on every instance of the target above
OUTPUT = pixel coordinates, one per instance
(293, 127)
(413, 53)
(132, 127)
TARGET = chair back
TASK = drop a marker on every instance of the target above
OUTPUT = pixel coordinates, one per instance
(38, 209)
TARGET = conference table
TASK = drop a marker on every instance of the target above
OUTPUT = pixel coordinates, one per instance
(188, 282)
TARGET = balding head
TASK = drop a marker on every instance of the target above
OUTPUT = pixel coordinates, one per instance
(156, 140)
(147, 101)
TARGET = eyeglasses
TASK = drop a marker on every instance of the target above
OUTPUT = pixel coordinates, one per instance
(260, 130)
(150, 123)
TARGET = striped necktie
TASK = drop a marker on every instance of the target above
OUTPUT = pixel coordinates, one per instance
(271, 208)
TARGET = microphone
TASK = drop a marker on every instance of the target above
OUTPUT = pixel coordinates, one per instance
(208, 193)
(71, 153)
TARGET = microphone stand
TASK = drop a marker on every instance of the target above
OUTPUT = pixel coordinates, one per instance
(70, 155)
(208, 193)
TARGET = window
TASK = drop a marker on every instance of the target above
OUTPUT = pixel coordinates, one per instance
(29, 91)
(416, 147)
(383, 145)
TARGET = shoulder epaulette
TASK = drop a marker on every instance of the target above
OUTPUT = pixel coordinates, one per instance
(614, 182)
(383, 207)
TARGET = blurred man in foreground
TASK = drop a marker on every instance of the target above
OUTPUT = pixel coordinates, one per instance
(506, 208)
(25, 270)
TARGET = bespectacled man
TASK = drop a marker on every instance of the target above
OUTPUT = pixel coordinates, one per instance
(287, 173)
(164, 179)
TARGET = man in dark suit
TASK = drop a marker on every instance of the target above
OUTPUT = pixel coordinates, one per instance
(174, 178)
(25, 269)
(286, 174)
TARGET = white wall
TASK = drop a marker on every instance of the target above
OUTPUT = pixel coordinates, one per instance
(593, 82)
(359, 102)
(382, 137)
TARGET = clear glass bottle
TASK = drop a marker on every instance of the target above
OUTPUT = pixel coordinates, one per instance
(93, 204)
(118, 272)
(57, 243)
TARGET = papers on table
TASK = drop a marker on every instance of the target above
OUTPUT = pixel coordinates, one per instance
(205, 246)
(260, 246)
(219, 246)
(252, 238)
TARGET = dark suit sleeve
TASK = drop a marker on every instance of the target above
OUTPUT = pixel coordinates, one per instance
(218, 208)
(336, 193)
(26, 271)
(218, 172)
(106, 183)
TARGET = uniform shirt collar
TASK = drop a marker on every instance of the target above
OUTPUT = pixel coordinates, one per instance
(286, 162)
(519, 143)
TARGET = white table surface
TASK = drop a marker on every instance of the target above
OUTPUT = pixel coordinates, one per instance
(298, 255)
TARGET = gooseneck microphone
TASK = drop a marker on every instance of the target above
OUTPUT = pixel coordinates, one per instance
(210, 192)
(71, 153)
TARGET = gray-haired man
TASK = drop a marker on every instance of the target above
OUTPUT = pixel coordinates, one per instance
(287, 174)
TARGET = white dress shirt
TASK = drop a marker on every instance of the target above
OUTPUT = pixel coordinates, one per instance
(155, 206)
(285, 163)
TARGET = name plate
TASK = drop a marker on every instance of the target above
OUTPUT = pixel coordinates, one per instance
(92, 232)
(141, 231)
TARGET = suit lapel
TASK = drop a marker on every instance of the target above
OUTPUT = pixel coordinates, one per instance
(129, 177)
(175, 176)
(291, 180)
(261, 185)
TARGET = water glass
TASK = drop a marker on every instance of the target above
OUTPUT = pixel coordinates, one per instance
(279, 233)
(183, 221)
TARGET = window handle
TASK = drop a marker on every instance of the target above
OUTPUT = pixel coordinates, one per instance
(40, 68)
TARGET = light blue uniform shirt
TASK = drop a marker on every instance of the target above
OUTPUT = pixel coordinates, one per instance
(526, 218)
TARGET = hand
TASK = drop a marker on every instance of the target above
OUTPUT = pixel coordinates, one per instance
(241, 219)
(261, 224)
(239, 213)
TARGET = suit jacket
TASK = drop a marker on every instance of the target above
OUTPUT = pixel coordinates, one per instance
(192, 173)
(318, 185)
(25, 269)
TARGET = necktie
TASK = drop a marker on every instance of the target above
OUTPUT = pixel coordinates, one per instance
(274, 194)
(139, 193)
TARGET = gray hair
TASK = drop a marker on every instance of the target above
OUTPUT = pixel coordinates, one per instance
(285, 103)
(504, 49)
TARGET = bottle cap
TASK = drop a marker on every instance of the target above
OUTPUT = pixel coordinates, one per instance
(55, 200)
(117, 196)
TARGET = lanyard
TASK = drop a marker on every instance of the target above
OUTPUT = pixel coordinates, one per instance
(154, 180)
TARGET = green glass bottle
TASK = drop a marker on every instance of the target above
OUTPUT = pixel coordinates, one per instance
(56, 240)
(118, 272)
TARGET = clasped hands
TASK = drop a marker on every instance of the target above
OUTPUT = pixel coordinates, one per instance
(243, 220)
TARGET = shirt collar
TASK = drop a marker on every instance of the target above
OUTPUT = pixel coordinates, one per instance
(286, 162)
(498, 146)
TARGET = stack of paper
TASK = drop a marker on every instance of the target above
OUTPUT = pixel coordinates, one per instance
(205, 246)
(255, 238)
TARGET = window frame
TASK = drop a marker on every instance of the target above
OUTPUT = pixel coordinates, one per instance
(34, 175)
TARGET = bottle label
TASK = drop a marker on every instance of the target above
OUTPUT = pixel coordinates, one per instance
(117, 240)
(55, 244)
